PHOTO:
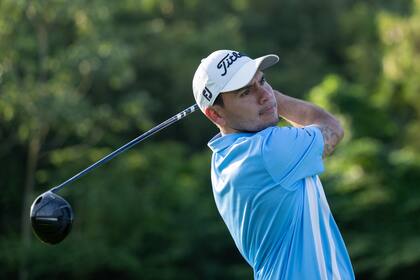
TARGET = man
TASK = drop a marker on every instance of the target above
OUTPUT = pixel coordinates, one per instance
(264, 177)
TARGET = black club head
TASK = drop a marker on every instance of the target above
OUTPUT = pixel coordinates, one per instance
(51, 217)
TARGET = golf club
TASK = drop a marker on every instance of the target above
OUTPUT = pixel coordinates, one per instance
(52, 216)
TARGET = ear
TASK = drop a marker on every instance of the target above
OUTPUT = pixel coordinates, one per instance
(215, 114)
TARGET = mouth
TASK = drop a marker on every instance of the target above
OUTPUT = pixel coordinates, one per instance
(268, 109)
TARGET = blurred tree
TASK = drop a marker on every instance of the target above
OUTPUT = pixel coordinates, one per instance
(375, 173)
(45, 80)
(100, 73)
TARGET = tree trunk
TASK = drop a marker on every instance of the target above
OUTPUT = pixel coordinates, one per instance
(35, 140)
(33, 152)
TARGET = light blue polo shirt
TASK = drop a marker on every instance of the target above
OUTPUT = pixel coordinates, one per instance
(267, 191)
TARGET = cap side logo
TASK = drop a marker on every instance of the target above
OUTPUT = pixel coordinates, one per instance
(227, 61)
(207, 94)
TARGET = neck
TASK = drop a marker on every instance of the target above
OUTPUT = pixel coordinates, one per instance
(227, 130)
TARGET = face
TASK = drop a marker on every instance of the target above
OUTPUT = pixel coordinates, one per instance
(251, 108)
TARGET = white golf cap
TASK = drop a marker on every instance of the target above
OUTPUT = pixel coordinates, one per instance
(226, 70)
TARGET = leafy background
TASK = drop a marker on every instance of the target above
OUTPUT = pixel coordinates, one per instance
(80, 78)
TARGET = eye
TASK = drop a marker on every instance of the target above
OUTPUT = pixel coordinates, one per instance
(262, 81)
(244, 92)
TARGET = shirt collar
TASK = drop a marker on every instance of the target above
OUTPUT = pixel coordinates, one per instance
(220, 142)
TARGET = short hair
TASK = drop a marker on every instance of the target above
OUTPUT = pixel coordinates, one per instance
(219, 101)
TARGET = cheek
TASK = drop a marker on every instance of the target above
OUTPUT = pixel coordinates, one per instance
(270, 90)
(246, 115)
(243, 110)
(245, 106)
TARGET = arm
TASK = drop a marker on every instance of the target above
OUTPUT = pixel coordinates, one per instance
(301, 113)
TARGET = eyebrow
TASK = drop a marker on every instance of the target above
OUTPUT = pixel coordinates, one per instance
(243, 88)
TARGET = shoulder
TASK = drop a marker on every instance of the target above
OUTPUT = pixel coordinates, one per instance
(289, 133)
(291, 153)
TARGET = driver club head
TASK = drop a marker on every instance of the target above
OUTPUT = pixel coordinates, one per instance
(51, 217)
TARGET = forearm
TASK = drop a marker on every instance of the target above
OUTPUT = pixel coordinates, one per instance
(299, 112)
(302, 113)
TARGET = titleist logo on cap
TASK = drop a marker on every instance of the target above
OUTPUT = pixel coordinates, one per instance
(227, 61)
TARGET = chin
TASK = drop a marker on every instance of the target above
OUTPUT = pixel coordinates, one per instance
(257, 126)
(273, 121)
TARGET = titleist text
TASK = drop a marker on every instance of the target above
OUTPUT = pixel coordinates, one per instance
(227, 61)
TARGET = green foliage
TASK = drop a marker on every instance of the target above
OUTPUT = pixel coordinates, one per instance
(80, 78)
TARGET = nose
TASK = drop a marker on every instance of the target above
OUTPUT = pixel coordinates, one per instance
(263, 95)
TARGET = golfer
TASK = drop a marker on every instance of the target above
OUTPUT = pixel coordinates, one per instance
(264, 177)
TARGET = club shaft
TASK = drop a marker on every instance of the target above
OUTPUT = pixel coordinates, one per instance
(130, 144)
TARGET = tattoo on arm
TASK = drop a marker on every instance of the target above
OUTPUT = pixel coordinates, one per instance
(331, 139)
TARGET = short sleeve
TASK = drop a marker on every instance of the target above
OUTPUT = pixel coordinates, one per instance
(291, 153)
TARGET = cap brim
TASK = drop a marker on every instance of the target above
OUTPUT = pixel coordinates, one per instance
(244, 76)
